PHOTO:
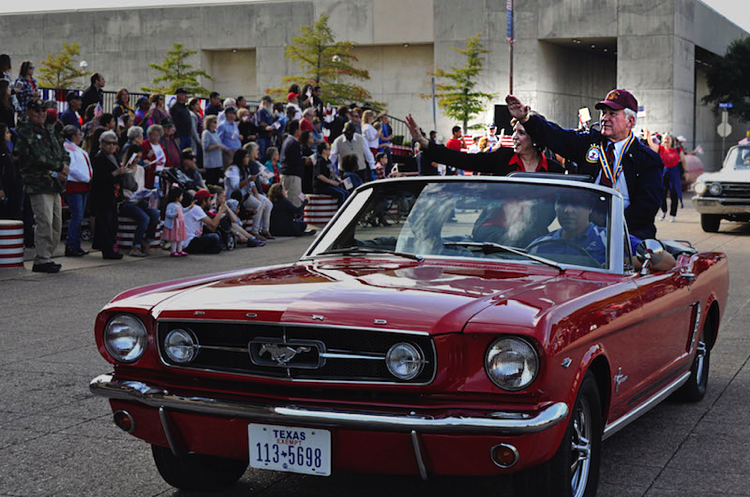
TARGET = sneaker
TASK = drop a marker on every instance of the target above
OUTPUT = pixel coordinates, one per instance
(252, 242)
(671, 219)
(183, 254)
(136, 252)
(114, 256)
(145, 246)
(47, 267)
(267, 235)
(662, 216)
(175, 254)
(309, 232)
(259, 237)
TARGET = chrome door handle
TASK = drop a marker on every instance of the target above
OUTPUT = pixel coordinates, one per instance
(688, 275)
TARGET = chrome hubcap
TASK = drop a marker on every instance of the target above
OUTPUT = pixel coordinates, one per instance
(580, 442)
(700, 360)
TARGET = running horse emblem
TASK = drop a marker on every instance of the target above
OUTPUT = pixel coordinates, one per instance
(282, 354)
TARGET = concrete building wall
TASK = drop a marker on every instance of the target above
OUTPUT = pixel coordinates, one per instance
(233, 72)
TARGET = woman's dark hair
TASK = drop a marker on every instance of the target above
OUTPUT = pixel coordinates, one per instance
(278, 107)
(236, 195)
(193, 101)
(154, 98)
(25, 68)
(322, 146)
(304, 137)
(4, 97)
(238, 157)
(305, 88)
(88, 114)
(294, 88)
(3, 144)
(270, 151)
(5, 62)
(349, 163)
(174, 194)
(130, 152)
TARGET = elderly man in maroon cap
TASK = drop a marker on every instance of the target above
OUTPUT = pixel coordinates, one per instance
(612, 155)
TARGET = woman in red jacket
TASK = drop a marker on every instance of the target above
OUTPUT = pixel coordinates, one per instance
(674, 170)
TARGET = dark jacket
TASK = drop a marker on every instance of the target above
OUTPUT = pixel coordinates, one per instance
(183, 123)
(91, 96)
(291, 158)
(322, 167)
(496, 163)
(337, 127)
(105, 188)
(283, 218)
(41, 157)
(642, 168)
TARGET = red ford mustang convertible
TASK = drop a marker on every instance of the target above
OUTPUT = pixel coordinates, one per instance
(463, 326)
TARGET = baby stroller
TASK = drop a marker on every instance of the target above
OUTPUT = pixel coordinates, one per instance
(228, 237)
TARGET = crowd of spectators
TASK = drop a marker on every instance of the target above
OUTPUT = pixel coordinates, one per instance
(225, 167)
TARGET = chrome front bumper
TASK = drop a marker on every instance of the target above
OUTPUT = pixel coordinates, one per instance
(720, 205)
(494, 423)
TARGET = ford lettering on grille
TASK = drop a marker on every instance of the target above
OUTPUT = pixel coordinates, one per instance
(304, 354)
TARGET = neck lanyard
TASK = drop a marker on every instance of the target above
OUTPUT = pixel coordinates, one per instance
(612, 171)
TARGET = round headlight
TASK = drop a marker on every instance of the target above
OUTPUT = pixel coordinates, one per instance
(181, 346)
(125, 338)
(404, 361)
(511, 363)
(714, 189)
(700, 188)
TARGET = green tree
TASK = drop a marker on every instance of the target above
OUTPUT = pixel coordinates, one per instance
(458, 97)
(61, 70)
(326, 62)
(177, 73)
(728, 79)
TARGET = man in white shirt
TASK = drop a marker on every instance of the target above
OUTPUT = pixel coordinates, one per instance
(351, 143)
(196, 219)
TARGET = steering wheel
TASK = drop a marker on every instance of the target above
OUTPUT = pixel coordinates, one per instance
(560, 241)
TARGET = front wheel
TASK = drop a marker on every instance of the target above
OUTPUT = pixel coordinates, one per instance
(197, 472)
(574, 469)
(710, 222)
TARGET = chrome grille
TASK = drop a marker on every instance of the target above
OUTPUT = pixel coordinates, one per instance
(321, 353)
(740, 190)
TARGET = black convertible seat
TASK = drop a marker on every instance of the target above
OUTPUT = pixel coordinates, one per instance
(677, 248)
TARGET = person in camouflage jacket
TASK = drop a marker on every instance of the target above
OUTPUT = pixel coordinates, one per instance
(44, 167)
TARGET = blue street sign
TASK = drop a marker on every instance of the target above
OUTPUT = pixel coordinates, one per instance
(726, 105)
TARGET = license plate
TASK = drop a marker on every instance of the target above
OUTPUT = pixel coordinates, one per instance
(290, 449)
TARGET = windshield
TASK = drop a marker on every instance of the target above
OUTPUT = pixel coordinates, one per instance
(555, 224)
(738, 158)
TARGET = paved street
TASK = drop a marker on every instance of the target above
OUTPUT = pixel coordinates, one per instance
(57, 439)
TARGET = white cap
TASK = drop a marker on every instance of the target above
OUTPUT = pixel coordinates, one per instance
(680, 138)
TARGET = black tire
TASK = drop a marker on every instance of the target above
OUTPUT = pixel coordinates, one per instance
(565, 475)
(86, 234)
(231, 241)
(197, 472)
(710, 222)
(695, 388)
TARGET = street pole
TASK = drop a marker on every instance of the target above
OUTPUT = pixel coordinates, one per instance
(511, 37)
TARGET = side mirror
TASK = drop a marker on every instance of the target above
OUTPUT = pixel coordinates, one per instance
(649, 252)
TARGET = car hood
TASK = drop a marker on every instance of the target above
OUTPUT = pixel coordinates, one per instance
(728, 175)
(428, 297)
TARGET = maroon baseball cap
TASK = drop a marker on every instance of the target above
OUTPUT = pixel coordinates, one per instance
(618, 100)
(202, 194)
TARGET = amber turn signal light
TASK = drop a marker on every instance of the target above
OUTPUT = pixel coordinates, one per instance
(504, 455)
(124, 421)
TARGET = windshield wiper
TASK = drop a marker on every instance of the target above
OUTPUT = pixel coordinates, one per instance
(491, 248)
(363, 249)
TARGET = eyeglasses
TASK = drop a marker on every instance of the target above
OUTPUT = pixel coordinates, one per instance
(109, 143)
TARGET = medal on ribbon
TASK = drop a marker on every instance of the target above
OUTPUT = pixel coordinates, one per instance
(612, 171)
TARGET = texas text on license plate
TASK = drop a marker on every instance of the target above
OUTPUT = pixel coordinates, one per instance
(286, 448)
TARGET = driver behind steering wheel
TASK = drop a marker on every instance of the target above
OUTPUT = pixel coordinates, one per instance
(573, 211)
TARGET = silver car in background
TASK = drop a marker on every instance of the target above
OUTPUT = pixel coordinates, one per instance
(725, 194)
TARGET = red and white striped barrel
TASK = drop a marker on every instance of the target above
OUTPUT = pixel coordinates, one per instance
(393, 210)
(320, 209)
(11, 243)
(126, 233)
